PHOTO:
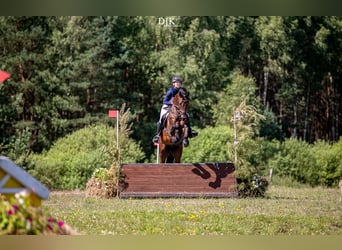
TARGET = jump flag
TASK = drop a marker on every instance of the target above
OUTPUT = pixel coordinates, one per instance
(4, 76)
(115, 114)
(112, 113)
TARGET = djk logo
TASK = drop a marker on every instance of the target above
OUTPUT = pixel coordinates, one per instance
(166, 21)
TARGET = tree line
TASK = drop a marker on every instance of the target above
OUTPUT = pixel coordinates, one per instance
(67, 72)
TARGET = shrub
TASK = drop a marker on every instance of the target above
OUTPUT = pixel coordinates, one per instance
(19, 146)
(71, 160)
(313, 164)
(332, 164)
(250, 184)
(211, 145)
(322, 164)
(294, 159)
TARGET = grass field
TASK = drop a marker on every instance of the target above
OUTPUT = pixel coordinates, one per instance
(285, 211)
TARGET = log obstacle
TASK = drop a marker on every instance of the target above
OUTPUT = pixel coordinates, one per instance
(188, 180)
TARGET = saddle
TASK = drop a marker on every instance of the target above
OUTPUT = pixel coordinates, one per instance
(163, 121)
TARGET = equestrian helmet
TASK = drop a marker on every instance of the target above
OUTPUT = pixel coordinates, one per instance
(176, 79)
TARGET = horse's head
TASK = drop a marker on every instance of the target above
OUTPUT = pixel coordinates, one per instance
(181, 100)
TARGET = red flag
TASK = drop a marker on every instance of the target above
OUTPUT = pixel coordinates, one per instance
(4, 76)
(113, 113)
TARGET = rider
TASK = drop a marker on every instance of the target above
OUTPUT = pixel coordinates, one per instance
(167, 102)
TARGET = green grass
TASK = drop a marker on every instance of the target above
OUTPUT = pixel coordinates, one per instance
(285, 211)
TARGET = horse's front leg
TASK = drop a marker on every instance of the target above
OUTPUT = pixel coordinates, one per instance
(186, 135)
(178, 132)
(171, 130)
(186, 131)
(174, 133)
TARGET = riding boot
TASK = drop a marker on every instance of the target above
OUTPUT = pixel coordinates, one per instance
(191, 133)
(156, 137)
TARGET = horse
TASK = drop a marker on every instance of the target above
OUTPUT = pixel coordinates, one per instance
(175, 129)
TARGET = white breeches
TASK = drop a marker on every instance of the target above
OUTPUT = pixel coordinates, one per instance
(163, 111)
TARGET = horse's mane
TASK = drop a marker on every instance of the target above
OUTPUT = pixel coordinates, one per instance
(184, 93)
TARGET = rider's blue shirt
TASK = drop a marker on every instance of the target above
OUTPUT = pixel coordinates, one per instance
(170, 93)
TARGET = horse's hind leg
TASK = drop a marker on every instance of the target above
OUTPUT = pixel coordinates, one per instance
(162, 153)
(162, 159)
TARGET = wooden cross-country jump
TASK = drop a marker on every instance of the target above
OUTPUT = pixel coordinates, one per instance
(186, 180)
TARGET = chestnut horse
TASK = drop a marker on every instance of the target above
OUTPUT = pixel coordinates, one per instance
(175, 129)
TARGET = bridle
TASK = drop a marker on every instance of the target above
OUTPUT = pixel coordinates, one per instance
(181, 107)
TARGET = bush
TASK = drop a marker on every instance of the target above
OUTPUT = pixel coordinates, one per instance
(329, 161)
(313, 164)
(19, 146)
(71, 160)
(322, 164)
(265, 150)
(250, 184)
(295, 160)
(211, 145)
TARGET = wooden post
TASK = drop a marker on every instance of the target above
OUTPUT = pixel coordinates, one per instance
(113, 114)
(271, 175)
(158, 154)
